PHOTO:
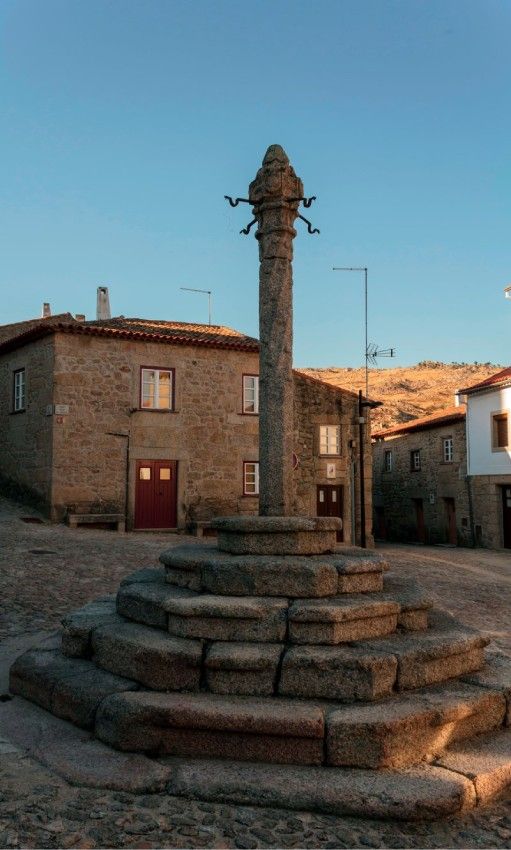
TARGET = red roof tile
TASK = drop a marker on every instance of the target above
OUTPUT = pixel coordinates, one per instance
(441, 417)
(503, 377)
(148, 330)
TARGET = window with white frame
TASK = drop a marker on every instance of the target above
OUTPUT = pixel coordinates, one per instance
(447, 449)
(415, 460)
(251, 394)
(329, 439)
(387, 461)
(19, 390)
(251, 478)
(156, 389)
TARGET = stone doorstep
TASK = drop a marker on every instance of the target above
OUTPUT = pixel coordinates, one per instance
(486, 760)
(423, 793)
(412, 728)
(69, 688)
(148, 656)
(198, 724)
(145, 602)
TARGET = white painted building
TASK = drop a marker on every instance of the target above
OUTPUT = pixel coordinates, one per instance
(489, 457)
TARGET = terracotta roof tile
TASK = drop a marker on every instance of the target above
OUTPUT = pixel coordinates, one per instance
(441, 417)
(503, 377)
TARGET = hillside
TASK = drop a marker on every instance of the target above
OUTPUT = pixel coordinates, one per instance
(408, 391)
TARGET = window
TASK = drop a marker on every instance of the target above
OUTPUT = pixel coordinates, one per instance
(157, 388)
(251, 478)
(415, 460)
(329, 439)
(387, 461)
(500, 431)
(447, 449)
(251, 394)
(19, 394)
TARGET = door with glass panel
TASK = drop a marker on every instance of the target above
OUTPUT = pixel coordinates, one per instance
(156, 494)
(330, 502)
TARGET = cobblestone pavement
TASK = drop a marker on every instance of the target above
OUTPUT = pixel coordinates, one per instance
(47, 570)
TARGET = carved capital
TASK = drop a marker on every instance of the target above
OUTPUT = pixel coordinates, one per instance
(275, 179)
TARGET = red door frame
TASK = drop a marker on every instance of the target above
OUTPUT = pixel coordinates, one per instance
(156, 495)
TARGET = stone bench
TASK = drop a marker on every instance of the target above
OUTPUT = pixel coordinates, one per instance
(74, 520)
(201, 528)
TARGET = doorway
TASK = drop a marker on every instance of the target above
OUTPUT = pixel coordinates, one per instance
(506, 515)
(450, 515)
(419, 519)
(156, 494)
(330, 502)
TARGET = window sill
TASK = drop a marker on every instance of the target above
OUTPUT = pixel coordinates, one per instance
(17, 412)
(250, 495)
(247, 413)
(330, 456)
(501, 448)
(153, 410)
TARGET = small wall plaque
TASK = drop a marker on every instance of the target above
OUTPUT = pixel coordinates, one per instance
(61, 409)
(330, 470)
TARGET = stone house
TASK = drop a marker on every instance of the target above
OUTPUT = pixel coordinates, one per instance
(420, 488)
(157, 421)
(489, 458)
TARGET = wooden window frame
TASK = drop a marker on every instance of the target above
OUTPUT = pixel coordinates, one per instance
(447, 442)
(415, 467)
(254, 463)
(256, 399)
(338, 441)
(21, 408)
(387, 454)
(500, 416)
(158, 369)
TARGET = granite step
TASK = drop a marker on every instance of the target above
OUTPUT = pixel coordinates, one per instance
(70, 688)
(241, 668)
(224, 618)
(341, 619)
(412, 727)
(211, 726)
(149, 656)
(146, 601)
(373, 669)
(485, 760)
(78, 626)
(414, 602)
(205, 568)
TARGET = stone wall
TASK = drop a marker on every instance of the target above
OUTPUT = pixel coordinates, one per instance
(84, 459)
(488, 510)
(318, 404)
(395, 491)
(26, 436)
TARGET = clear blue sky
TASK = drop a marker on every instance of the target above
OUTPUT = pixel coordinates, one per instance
(124, 123)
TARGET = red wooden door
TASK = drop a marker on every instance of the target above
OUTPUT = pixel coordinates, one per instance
(419, 515)
(156, 494)
(450, 511)
(330, 502)
(506, 507)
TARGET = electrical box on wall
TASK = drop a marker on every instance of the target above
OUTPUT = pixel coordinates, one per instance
(57, 409)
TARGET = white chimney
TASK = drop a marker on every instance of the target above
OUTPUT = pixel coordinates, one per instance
(46, 311)
(103, 303)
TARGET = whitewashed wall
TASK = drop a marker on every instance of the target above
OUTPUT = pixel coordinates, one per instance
(481, 459)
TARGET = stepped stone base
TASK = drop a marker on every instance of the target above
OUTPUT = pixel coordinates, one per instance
(332, 683)
(274, 535)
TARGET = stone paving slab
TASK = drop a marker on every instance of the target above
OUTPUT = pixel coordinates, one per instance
(416, 793)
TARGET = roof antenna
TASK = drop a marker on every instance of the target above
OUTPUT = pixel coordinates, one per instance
(103, 303)
(205, 292)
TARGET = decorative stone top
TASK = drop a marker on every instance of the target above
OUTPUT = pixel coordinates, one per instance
(276, 179)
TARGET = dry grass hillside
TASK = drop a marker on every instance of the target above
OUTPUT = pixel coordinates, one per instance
(408, 391)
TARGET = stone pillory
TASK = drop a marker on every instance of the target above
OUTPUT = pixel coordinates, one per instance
(275, 192)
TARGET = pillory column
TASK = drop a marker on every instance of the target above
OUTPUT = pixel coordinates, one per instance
(275, 192)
